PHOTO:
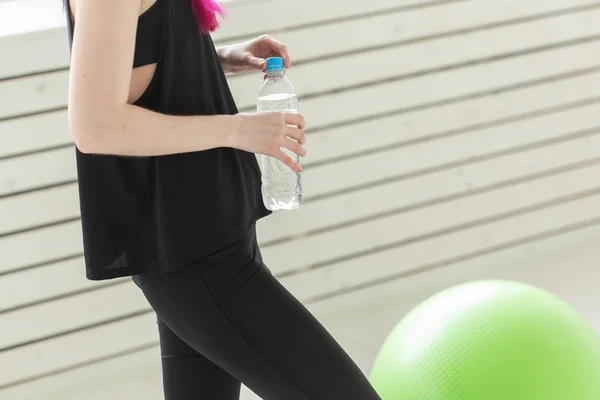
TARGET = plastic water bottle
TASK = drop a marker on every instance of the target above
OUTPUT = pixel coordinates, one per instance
(281, 186)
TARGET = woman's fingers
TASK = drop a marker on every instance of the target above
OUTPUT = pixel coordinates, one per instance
(296, 134)
(295, 147)
(255, 62)
(280, 48)
(295, 120)
(287, 160)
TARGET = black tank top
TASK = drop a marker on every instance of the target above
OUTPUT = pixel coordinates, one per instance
(156, 214)
(147, 38)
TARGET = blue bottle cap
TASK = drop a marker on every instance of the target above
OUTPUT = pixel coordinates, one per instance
(275, 64)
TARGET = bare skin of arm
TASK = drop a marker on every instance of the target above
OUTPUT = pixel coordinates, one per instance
(102, 119)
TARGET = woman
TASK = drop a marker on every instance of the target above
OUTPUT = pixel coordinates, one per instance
(170, 194)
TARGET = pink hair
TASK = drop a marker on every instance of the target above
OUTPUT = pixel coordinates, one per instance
(207, 12)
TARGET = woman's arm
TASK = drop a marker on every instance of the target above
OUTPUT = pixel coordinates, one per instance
(102, 122)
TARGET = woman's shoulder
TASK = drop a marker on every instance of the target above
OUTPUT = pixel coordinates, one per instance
(145, 5)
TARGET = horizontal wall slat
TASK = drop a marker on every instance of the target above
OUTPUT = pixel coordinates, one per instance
(250, 18)
(357, 68)
(327, 110)
(388, 63)
(239, 24)
(93, 307)
(384, 165)
(425, 124)
(39, 25)
(466, 14)
(22, 326)
(37, 170)
(77, 348)
(446, 196)
(446, 86)
(33, 94)
(413, 160)
(52, 243)
(287, 257)
(65, 239)
(95, 341)
(19, 212)
(37, 132)
(39, 284)
(415, 24)
(548, 253)
(37, 58)
(137, 369)
(115, 301)
(33, 209)
(442, 250)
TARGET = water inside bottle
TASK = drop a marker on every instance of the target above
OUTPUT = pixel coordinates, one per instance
(282, 187)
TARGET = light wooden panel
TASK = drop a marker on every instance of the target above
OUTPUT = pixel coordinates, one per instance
(237, 25)
(475, 144)
(139, 377)
(389, 164)
(375, 234)
(37, 58)
(404, 26)
(343, 175)
(275, 15)
(442, 250)
(448, 246)
(24, 325)
(50, 244)
(293, 256)
(391, 62)
(38, 284)
(338, 108)
(446, 86)
(288, 12)
(429, 123)
(80, 347)
(37, 170)
(445, 153)
(384, 304)
(65, 239)
(38, 208)
(37, 93)
(42, 131)
(411, 58)
(48, 91)
(20, 212)
(349, 140)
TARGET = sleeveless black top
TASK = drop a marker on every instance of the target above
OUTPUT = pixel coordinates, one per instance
(147, 38)
(156, 214)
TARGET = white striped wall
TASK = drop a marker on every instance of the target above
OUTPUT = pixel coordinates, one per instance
(441, 132)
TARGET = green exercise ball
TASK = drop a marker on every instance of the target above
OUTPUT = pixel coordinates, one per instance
(490, 340)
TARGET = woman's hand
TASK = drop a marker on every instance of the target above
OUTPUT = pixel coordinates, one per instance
(267, 133)
(251, 55)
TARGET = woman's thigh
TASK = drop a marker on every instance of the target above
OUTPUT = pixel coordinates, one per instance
(232, 310)
(188, 375)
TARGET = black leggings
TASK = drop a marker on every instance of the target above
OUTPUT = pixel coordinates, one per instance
(226, 320)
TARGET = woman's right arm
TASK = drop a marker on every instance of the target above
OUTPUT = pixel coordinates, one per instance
(102, 122)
